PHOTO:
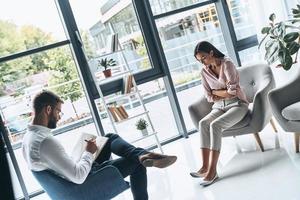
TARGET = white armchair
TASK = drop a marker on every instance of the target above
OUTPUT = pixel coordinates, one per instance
(257, 81)
(285, 103)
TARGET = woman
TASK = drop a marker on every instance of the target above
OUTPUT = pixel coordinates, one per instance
(220, 80)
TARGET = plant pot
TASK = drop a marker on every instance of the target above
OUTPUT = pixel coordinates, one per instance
(144, 132)
(107, 73)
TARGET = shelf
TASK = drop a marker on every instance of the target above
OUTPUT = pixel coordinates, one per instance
(119, 97)
(132, 117)
(146, 136)
(129, 99)
(110, 53)
(113, 77)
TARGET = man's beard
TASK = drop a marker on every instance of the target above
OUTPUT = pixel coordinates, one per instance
(52, 123)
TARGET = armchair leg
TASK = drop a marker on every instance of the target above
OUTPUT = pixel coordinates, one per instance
(273, 125)
(277, 145)
(297, 137)
(258, 140)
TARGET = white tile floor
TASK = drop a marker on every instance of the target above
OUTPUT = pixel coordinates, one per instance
(252, 174)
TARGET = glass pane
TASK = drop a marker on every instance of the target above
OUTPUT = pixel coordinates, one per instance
(162, 6)
(22, 79)
(96, 32)
(179, 35)
(242, 18)
(155, 99)
(250, 56)
(23, 26)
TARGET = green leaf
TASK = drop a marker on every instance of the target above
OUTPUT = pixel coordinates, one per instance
(260, 43)
(272, 52)
(272, 17)
(269, 43)
(293, 47)
(285, 58)
(289, 62)
(295, 21)
(291, 26)
(296, 16)
(265, 30)
(295, 11)
(281, 29)
(290, 37)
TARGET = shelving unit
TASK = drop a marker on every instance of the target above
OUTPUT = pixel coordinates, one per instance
(108, 100)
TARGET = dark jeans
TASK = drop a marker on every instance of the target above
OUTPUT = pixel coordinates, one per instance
(128, 164)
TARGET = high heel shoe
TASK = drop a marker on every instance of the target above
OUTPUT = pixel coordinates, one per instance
(207, 183)
(197, 174)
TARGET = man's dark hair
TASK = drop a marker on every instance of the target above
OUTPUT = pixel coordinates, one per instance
(45, 98)
(206, 47)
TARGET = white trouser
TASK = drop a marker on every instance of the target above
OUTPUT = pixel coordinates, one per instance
(225, 114)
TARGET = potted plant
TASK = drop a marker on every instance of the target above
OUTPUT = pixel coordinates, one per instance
(142, 125)
(107, 63)
(282, 40)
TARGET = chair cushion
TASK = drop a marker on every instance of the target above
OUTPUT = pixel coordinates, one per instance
(292, 112)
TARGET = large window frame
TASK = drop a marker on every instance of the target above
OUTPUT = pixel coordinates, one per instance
(155, 51)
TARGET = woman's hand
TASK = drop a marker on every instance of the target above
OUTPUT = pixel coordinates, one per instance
(221, 93)
(217, 98)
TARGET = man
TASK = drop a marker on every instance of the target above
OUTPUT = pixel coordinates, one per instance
(43, 151)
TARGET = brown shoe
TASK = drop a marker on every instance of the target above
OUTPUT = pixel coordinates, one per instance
(162, 162)
(151, 155)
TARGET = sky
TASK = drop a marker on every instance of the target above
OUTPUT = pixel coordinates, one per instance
(43, 14)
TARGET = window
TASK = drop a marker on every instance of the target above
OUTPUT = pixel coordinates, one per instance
(96, 33)
(250, 56)
(23, 28)
(35, 56)
(162, 6)
(179, 34)
(242, 18)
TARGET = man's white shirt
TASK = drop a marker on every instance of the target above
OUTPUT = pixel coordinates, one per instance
(42, 151)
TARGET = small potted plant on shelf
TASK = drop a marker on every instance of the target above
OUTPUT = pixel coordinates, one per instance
(142, 125)
(107, 63)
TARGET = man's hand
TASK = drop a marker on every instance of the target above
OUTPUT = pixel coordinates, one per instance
(91, 146)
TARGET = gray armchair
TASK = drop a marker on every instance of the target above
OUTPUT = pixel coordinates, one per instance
(285, 103)
(257, 81)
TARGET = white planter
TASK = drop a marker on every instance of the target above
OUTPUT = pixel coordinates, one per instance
(144, 132)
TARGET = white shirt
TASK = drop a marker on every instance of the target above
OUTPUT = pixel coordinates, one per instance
(42, 150)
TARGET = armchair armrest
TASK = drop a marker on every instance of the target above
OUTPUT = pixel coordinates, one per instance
(261, 111)
(199, 109)
(286, 94)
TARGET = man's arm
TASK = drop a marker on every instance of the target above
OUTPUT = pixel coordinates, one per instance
(53, 153)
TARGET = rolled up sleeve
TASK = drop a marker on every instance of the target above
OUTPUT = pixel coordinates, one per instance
(208, 93)
(232, 81)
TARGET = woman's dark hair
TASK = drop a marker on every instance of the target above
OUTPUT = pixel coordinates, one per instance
(207, 47)
(45, 98)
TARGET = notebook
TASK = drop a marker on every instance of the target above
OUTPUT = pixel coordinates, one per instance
(80, 146)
